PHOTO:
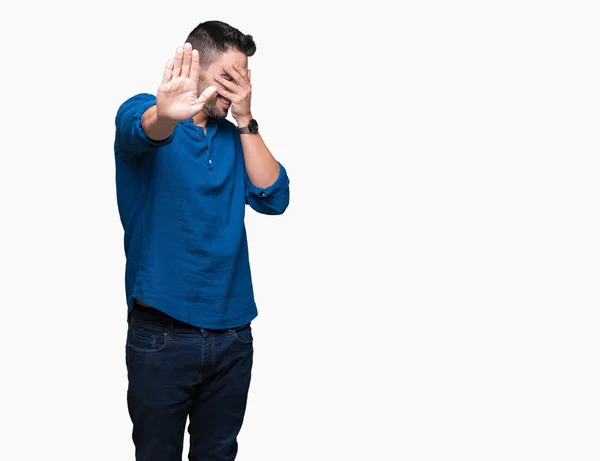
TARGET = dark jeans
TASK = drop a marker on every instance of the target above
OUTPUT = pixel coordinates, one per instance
(176, 370)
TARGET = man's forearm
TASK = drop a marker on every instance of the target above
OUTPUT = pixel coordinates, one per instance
(261, 166)
(157, 128)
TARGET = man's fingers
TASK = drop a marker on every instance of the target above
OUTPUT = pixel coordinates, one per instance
(195, 69)
(187, 60)
(178, 62)
(234, 72)
(226, 94)
(249, 75)
(168, 73)
(226, 83)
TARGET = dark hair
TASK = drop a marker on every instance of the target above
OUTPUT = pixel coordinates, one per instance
(213, 38)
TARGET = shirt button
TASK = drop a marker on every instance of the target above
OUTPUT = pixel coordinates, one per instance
(262, 194)
(210, 161)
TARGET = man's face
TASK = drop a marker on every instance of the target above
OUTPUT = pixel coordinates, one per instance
(218, 106)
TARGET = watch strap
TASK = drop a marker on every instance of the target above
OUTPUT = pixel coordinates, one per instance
(252, 127)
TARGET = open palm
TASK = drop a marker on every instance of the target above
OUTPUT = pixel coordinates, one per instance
(177, 96)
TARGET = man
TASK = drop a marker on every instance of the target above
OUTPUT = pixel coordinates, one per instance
(184, 175)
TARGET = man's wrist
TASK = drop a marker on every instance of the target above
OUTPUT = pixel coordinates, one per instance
(162, 118)
(156, 127)
(244, 121)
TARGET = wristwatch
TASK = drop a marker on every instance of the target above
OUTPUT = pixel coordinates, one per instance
(251, 128)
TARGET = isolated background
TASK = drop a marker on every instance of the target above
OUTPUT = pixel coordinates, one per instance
(431, 292)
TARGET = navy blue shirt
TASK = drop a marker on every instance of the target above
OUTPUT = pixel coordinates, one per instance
(182, 202)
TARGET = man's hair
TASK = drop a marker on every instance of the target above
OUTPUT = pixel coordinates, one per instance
(214, 38)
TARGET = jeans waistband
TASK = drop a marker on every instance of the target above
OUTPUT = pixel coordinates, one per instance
(152, 317)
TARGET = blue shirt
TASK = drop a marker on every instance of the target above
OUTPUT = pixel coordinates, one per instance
(181, 202)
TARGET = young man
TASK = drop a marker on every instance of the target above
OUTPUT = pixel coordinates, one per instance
(184, 175)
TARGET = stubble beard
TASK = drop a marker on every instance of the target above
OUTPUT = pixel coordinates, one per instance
(211, 109)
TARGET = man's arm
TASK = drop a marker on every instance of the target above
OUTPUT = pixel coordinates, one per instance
(261, 166)
(155, 127)
(267, 184)
(130, 135)
(271, 200)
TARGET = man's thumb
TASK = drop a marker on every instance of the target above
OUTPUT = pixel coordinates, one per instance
(207, 94)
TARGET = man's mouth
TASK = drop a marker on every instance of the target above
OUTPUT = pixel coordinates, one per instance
(226, 102)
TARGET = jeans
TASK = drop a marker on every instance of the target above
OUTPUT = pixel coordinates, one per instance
(176, 371)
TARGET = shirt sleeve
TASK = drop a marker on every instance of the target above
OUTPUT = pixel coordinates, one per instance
(130, 136)
(272, 200)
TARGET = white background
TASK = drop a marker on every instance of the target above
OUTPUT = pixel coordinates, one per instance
(431, 293)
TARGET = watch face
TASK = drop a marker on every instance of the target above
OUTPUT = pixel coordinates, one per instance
(253, 126)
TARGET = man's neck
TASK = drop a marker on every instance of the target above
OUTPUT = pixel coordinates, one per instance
(201, 119)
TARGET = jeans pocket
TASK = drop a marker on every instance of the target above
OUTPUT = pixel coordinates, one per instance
(145, 339)
(242, 334)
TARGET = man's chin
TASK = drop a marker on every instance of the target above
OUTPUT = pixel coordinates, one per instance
(215, 113)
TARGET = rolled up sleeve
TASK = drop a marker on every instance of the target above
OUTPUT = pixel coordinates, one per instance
(130, 135)
(272, 200)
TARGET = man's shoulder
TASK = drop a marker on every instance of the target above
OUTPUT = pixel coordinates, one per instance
(142, 97)
(137, 100)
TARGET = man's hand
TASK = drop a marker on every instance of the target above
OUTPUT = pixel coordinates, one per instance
(238, 91)
(177, 98)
